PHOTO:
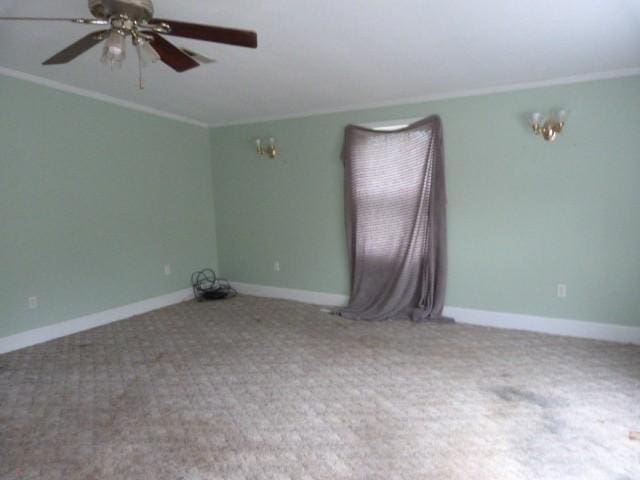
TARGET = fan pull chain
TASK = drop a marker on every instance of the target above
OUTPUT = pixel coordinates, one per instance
(140, 65)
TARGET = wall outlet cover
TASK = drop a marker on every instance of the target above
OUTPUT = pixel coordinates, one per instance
(32, 302)
(562, 290)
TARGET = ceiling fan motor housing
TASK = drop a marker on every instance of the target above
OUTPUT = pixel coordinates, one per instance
(140, 10)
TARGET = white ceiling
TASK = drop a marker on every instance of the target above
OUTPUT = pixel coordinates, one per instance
(324, 55)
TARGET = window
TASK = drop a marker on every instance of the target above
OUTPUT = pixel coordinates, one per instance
(390, 125)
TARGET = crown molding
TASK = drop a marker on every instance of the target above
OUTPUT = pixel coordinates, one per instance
(588, 77)
(7, 72)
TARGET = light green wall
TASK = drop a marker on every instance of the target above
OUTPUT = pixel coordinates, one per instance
(94, 200)
(524, 215)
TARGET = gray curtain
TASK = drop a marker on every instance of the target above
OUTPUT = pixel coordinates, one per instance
(395, 204)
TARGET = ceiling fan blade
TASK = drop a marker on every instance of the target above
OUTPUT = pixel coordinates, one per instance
(77, 48)
(86, 21)
(172, 55)
(197, 57)
(209, 33)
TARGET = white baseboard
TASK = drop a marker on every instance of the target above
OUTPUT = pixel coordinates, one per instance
(306, 296)
(57, 330)
(554, 326)
(532, 323)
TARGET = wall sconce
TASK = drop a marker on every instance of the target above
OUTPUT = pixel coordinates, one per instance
(270, 150)
(549, 127)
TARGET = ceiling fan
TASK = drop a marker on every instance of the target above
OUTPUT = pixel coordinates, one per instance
(134, 18)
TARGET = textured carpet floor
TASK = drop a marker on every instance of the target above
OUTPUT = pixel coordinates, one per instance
(255, 388)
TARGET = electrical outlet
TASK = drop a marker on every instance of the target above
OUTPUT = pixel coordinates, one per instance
(276, 266)
(562, 290)
(167, 269)
(32, 302)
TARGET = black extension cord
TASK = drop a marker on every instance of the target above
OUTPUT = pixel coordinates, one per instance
(207, 286)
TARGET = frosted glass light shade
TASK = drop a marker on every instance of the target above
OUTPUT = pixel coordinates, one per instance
(147, 53)
(114, 51)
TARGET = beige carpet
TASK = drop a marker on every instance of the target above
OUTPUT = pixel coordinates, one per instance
(254, 388)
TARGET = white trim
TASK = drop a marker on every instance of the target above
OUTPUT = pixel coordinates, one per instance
(50, 332)
(306, 296)
(97, 96)
(553, 326)
(514, 321)
(588, 77)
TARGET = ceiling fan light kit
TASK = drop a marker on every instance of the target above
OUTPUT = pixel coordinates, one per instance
(134, 19)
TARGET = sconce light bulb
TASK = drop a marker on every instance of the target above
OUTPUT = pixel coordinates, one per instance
(536, 119)
(562, 115)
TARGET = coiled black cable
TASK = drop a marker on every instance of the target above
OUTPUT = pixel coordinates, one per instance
(207, 286)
